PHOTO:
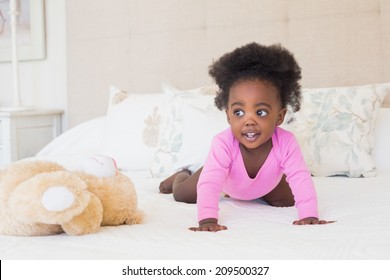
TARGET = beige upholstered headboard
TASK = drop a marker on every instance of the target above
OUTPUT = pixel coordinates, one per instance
(137, 45)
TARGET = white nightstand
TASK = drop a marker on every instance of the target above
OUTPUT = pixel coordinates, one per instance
(24, 133)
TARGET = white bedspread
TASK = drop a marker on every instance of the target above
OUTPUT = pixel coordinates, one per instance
(255, 231)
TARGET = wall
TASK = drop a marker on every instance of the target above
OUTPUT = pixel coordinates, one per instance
(98, 54)
(43, 83)
(138, 44)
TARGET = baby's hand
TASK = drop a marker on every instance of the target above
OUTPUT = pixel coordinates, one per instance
(311, 221)
(208, 225)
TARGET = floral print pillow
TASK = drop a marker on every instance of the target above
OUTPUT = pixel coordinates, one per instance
(335, 129)
(132, 128)
(172, 129)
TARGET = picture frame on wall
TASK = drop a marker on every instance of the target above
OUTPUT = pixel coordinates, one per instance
(30, 30)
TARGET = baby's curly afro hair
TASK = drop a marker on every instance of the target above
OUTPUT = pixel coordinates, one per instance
(254, 61)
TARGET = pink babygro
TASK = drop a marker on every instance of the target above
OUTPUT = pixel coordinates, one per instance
(224, 171)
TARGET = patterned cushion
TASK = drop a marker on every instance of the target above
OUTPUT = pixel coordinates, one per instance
(132, 128)
(335, 129)
(177, 102)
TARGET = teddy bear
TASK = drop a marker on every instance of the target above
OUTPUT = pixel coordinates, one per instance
(40, 197)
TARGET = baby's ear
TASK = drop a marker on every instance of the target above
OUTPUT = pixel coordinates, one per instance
(281, 116)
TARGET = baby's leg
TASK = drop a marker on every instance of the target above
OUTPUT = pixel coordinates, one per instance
(184, 187)
(281, 195)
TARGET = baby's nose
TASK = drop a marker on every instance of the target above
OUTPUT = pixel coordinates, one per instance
(249, 122)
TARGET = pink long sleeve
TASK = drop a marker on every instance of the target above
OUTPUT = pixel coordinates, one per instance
(224, 171)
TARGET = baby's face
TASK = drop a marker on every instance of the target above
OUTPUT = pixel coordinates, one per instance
(254, 111)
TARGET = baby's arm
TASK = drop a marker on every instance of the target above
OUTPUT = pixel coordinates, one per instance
(210, 224)
(211, 182)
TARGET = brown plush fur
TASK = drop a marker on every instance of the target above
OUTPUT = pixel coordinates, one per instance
(98, 201)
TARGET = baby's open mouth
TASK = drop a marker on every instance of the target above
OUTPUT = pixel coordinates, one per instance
(251, 136)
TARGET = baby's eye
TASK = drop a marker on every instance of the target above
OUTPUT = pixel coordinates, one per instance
(262, 113)
(238, 113)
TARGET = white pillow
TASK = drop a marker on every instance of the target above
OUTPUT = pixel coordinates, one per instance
(81, 140)
(335, 129)
(132, 128)
(172, 129)
(200, 125)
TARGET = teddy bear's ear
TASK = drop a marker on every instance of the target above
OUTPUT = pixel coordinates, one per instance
(88, 221)
(100, 166)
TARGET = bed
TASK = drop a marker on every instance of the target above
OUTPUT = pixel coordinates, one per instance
(152, 135)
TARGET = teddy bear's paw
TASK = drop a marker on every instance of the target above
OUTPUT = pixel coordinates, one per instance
(57, 198)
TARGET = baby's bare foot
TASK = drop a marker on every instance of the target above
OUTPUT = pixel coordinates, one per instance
(166, 185)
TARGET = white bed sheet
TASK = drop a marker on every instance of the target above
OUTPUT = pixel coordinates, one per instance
(255, 231)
